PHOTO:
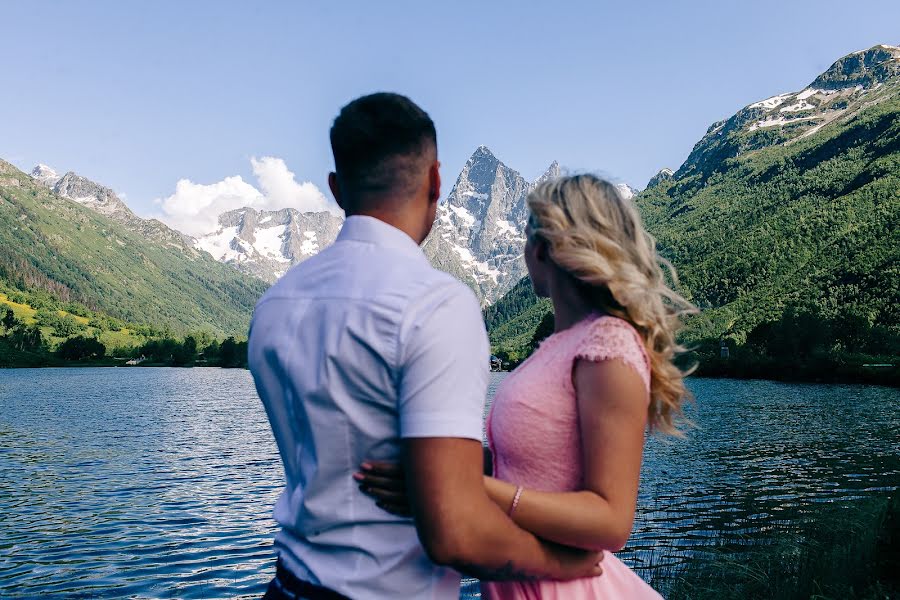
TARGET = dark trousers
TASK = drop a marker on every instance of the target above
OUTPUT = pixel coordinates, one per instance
(287, 586)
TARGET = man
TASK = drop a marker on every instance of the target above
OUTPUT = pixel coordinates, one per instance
(366, 352)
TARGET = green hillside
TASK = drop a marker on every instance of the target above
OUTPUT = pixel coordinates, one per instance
(512, 320)
(782, 224)
(77, 255)
(807, 221)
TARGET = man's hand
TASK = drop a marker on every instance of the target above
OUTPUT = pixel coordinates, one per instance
(385, 482)
(576, 563)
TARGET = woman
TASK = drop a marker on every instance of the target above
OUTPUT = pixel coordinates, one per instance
(567, 427)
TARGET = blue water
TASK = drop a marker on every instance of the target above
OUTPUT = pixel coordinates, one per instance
(159, 483)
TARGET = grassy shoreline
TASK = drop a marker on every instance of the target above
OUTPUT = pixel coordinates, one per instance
(848, 549)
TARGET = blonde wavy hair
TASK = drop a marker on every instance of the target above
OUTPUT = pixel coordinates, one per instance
(597, 237)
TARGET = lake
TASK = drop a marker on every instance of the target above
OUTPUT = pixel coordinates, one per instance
(159, 483)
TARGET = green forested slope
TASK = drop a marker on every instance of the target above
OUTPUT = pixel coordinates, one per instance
(811, 223)
(512, 320)
(50, 243)
(783, 224)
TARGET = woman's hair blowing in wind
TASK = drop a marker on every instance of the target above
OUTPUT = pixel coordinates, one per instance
(597, 237)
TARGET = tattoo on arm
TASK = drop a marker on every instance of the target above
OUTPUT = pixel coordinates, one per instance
(507, 572)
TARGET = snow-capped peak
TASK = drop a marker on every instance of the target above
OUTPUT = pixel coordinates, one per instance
(45, 175)
(627, 192)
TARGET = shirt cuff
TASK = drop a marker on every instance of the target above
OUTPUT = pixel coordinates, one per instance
(433, 425)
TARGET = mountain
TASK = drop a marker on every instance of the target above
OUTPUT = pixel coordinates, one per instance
(791, 202)
(478, 235)
(627, 191)
(267, 243)
(481, 226)
(105, 201)
(67, 246)
(663, 174)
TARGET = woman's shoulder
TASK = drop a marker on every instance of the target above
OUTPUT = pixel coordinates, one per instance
(607, 337)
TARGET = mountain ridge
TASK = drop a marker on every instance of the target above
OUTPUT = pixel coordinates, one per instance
(790, 204)
(78, 254)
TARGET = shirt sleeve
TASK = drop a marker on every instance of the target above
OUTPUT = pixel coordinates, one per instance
(445, 368)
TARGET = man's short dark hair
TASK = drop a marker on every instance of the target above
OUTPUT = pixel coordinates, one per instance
(378, 142)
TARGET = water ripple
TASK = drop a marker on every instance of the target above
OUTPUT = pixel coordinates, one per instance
(159, 483)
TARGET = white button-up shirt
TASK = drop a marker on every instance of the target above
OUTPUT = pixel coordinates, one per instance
(352, 350)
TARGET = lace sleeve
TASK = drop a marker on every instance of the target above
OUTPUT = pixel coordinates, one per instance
(609, 338)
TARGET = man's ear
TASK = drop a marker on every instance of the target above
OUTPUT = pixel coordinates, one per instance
(434, 182)
(335, 190)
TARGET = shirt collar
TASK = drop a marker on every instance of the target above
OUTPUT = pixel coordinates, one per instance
(361, 228)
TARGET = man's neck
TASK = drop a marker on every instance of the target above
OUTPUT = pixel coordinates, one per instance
(394, 218)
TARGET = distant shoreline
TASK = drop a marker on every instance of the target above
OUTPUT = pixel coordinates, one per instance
(888, 377)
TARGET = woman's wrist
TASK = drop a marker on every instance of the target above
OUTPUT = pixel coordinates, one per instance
(503, 494)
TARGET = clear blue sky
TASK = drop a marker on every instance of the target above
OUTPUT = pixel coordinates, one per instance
(140, 95)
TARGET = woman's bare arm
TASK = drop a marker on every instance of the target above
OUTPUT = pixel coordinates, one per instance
(612, 411)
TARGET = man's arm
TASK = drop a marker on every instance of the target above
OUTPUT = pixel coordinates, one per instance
(460, 527)
(442, 384)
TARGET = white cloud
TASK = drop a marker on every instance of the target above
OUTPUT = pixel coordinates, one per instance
(194, 208)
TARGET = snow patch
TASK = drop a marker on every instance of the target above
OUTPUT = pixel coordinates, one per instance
(778, 121)
(464, 215)
(219, 245)
(771, 102)
(798, 106)
(625, 190)
(309, 245)
(269, 241)
(265, 220)
(507, 228)
(480, 268)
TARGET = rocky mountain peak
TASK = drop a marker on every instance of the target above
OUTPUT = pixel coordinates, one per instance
(479, 231)
(663, 174)
(852, 83)
(483, 153)
(45, 175)
(626, 191)
(552, 172)
(103, 200)
(864, 68)
(266, 243)
(95, 196)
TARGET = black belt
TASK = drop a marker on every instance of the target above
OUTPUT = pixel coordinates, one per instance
(291, 585)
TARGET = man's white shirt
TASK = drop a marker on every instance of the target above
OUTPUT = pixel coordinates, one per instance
(352, 350)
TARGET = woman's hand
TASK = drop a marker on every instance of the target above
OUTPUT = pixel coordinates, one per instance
(385, 482)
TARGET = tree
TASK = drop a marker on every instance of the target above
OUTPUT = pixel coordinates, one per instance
(211, 352)
(543, 330)
(228, 353)
(160, 351)
(68, 326)
(233, 354)
(9, 320)
(186, 352)
(27, 337)
(78, 348)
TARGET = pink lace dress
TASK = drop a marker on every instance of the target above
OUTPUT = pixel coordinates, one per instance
(533, 432)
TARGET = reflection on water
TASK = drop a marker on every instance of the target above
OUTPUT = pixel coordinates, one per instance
(160, 482)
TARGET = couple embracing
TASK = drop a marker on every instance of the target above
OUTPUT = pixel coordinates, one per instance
(373, 368)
